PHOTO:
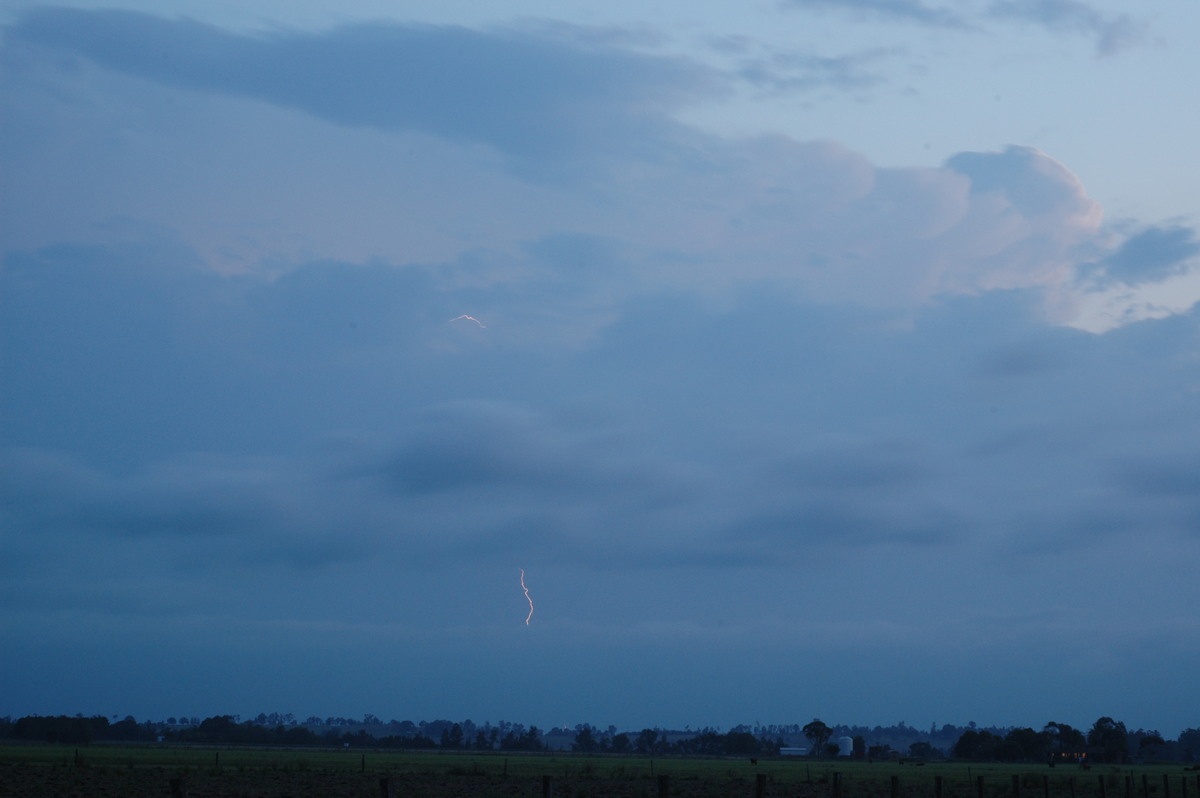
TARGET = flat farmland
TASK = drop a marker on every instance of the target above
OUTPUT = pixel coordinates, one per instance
(96, 770)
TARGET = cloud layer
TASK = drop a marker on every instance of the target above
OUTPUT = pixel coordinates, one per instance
(721, 394)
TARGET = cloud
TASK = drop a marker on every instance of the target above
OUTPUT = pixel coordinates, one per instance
(776, 72)
(1113, 34)
(591, 451)
(530, 95)
(698, 473)
(906, 10)
(713, 216)
(832, 225)
(1151, 255)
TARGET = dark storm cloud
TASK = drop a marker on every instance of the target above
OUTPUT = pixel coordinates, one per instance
(809, 411)
(485, 446)
(211, 513)
(525, 94)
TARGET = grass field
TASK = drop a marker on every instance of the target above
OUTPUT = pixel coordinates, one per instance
(98, 770)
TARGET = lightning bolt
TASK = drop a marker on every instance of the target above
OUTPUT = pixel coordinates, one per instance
(482, 326)
(527, 598)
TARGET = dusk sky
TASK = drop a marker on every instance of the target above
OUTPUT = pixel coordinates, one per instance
(827, 359)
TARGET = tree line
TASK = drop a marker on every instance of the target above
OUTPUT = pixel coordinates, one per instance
(1108, 740)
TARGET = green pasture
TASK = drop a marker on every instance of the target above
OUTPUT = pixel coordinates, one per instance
(858, 779)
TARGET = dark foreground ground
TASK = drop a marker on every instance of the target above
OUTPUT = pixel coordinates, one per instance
(31, 772)
(30, 781)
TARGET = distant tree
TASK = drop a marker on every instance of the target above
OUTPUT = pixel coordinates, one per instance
(645, 741)
(742, 743)
(1150, 744)
(621, 744)
(1189, 744)
(1110, 735)
(129, 729)
(585, 741)
(1006, 750)
(860, 746)
(61, 729)
(818, 733)
(452, 736)
(1062, 738)
(520, 739)
(1030, 745)
(217, 729)
(967, 745)
(921, 750)
(297, 735)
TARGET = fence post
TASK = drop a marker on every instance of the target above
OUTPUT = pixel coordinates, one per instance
(1103, 787)
(385, 788)
(177, 790)
(979, 787)
(664, 785)
(1128, 785)
(894, 791)
(937, 787)
(760, 785)
(547, 786)
(1071, 784)
(1046, 786)
(1166, 786)
(1145, 785)
(1016, 786)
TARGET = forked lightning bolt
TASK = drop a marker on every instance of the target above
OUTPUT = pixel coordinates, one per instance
(470, 318)
(527, 598)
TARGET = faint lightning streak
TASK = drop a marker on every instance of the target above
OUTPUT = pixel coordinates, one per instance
(527, 598)
(482, 326)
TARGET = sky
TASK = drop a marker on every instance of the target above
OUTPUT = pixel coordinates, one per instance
(826, 359)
